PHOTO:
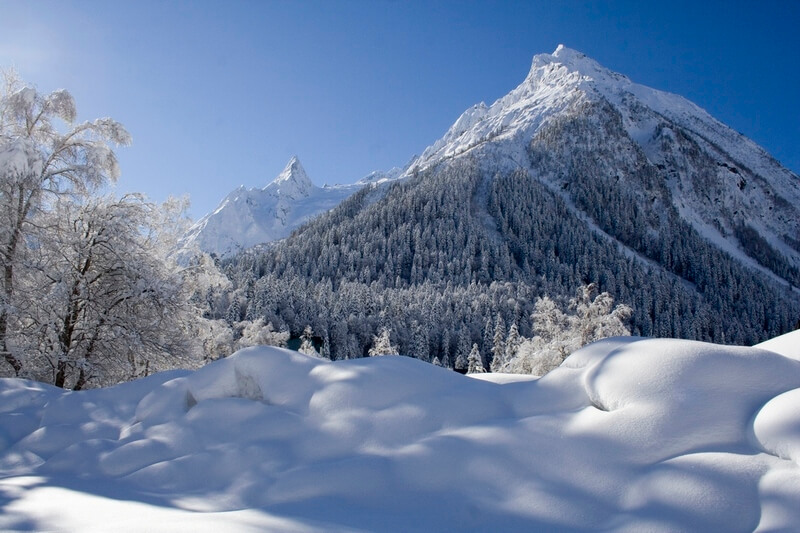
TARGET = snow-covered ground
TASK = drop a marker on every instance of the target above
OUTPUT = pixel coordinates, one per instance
(628, 435)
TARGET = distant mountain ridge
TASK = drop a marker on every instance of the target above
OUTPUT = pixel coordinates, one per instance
(578, 175)
(249, 217)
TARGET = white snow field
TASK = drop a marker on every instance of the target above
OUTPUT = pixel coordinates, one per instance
(627, 435)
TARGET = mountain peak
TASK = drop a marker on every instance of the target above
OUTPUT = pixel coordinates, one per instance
(293, 171)
(293, 180)
(562, 52)
(578, 67)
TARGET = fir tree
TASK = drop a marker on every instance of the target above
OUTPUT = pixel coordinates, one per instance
(382, 345)
(475, 362)
(498, 344)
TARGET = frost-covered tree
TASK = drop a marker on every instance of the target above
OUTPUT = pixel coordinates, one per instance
(259, 333)
(382, 344)
(596, 317)
(462, 350)
(307, 343)
(326, 347)
(419, 342)
(512, 342)
(215, 338)
(105, 303)
(39, 164)
(499, 344)
(589, 317)
(475, 362)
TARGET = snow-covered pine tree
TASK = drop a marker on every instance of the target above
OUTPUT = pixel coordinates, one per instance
(462, 350)
(307, 344)
(512, 342)
(487, 341)
(382, 344)
(475, 361)
(326, 347)
(446, 363)
(419, 342)
(498, 344)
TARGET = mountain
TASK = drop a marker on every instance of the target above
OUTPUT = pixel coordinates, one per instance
(248, 217)
(577, 176)
(727, 187)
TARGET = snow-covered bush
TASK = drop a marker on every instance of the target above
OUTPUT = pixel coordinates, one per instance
(589, 317)
(257, 333)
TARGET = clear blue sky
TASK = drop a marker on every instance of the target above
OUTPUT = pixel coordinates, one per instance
(222, 93)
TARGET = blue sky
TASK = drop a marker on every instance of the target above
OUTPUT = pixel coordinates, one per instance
(218, 94)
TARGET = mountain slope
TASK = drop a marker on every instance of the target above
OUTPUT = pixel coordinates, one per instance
(578, 175)
(725, 185)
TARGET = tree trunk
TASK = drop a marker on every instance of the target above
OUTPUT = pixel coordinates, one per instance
(81, 383)
(61, 374)
(7, 355)
(8, 276)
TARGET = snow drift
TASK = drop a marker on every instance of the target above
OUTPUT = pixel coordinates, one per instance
(628, 434)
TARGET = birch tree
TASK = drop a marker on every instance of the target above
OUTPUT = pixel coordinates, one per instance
(38, 165)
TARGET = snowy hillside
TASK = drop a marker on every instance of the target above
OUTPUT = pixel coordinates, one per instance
(247, 217)
(628, 435)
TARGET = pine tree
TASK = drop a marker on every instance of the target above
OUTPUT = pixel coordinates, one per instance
(512, 342)
(419, 342)
(462, 351)
(382, 344)
(499, 344)
(326, 347)
(475, 362)
(307, 343)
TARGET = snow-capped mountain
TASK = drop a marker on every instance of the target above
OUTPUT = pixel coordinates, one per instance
(248, 217)
(719, 180)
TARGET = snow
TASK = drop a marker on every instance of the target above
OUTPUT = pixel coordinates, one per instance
(555, 84)
(19, 158)
(629, 434)
(248, 217)
(787, 345)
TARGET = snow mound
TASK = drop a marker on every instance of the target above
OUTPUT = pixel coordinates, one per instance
(787, 345)
(777, 426)
(629, 434)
